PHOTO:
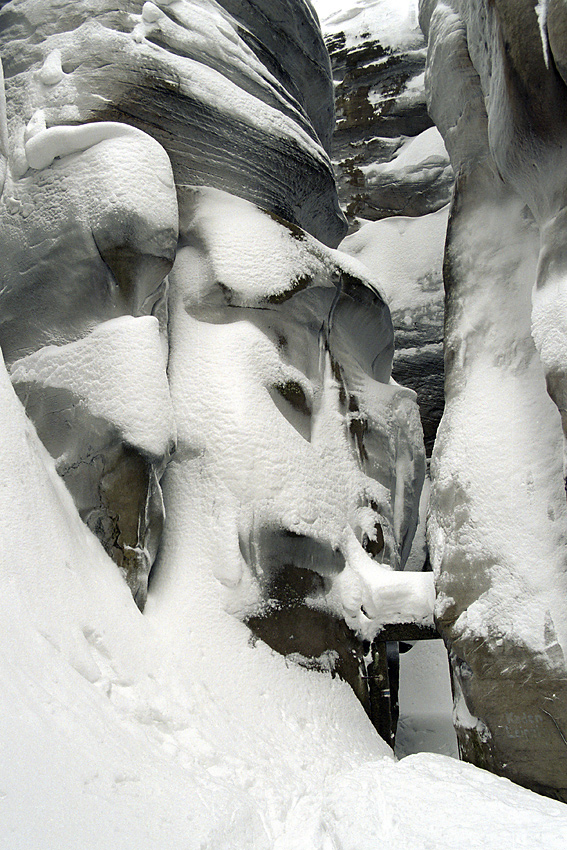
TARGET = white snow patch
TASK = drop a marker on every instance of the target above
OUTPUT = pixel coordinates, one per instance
(51, 71)
(541, 12)
(392, 22)
(417, 153)
(119, 372)
(43, 147)
(406, 255)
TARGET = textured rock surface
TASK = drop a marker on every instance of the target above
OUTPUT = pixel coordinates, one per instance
(236, 97)
(388, 157)
(390, 161)
(498, 514)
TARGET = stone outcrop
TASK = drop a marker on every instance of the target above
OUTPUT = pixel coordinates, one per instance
(498, 514)
(168, 199)
(393, 170)
(388, 156)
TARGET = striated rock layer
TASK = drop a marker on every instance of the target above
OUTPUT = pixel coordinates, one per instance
(498, 519)
(240, 97)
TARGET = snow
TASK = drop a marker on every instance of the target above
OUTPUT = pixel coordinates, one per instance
(391, 22)
(172, 729)
(541, 12)
(405, 254)
(51, 71)
(160, 731)
(499, 448)
(315, 488)
(118, 370)
(417, 153)
(44, 146)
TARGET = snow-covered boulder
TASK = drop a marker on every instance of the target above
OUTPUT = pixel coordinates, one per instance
(280, 362)
(498, 518)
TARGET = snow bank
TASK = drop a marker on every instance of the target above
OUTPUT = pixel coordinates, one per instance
(392, 22)
(406, 256)
(118, 371)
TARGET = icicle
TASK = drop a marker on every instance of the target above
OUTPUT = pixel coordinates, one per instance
(541, 12)
(3, 132)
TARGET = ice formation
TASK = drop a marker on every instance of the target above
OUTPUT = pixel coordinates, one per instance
(175, 319)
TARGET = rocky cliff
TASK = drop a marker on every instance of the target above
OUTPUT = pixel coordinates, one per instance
(395, 182)
(496, 91)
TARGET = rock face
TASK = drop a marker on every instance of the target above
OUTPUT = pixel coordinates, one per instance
(236, 116)
(498, 513)
(111, 114)
(389, 158)
(393, 170)
(194, 135)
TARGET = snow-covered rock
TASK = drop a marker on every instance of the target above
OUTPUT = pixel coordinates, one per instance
(297, 455)
(91, 210)
(498, 515)
(101, 406)
(238, 94)
(392, 164)
(389, 160)
(281, 353)
(168, 730)
(406, 255)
